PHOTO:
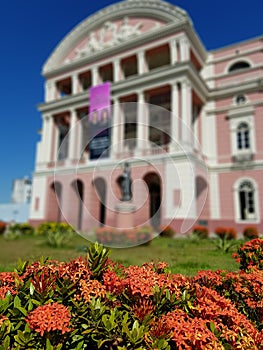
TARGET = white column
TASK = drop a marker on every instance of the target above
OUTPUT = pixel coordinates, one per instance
(75, 83)
(50, 90)
(140, 122)
(94, 76)
(195, 127)
(174, 115)
(146, 122)
(184, 49)
(116, 70)
(115, 141)
(215, 198)
(72, 135)
(79, 132)
(186, 112)
(141, 62)
(173, 51)
(47, 137)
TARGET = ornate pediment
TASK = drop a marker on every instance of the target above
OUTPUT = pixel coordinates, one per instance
(112, 34)
(112, 26)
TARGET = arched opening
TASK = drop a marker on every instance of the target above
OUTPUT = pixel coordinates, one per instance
(154, 186)
(246, 194)
(100, 188)
(54, 202)
(238, 66)
(201, 195)
(201, 186)
(78, 188)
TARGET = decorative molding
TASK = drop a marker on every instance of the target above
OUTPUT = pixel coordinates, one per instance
(155, 9)
(117, 35)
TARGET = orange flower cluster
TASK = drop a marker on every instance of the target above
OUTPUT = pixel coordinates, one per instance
(143, 308)
(75, 270)
(2, 319)
(142, 305)
(50, 317)
(191, 333)
(7, 284)
(87, 289)
(250, 255)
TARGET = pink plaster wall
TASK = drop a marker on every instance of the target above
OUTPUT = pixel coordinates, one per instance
(91, 202)
(226, 186)
(223, 138)
(241, 47)
(258, 124)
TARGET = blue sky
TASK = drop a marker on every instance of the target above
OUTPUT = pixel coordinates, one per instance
(31, 29)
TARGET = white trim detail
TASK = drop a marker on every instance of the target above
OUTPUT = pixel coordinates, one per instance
(214, 197)
(39, 192)
(236, 187)
(238, 116)
(209, 128)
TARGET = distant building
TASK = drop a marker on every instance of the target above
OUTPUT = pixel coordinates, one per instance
(150, 53)
(18, 209)
(14, 213)
(21, 191)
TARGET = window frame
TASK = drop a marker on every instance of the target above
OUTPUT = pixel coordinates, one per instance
(252, 217)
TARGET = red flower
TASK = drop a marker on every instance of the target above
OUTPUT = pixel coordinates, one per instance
(50, 317)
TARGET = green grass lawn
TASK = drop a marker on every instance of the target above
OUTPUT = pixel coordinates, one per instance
(184, 255)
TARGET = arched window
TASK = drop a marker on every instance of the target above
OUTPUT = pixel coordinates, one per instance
(246, 194)
(243, 137)
(238, 66)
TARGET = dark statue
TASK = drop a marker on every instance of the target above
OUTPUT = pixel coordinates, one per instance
(126, 183)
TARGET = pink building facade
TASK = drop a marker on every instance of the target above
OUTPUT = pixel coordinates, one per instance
(188, 121)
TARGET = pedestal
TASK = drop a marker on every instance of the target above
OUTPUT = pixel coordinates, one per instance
(124, 212)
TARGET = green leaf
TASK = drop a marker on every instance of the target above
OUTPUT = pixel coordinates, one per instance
(23, 310)
(17, 302)
(31, 289)
(6, 343)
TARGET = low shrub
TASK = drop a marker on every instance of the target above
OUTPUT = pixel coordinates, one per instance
(226, 238)
(226, 233)
(200, 231)
(15, 231)
(2, 227)
(250, 255)
(124, 237)
(46, 227)
(24, 228)
(94, 303)
(167, 231)
(250, 232)
(58, 234)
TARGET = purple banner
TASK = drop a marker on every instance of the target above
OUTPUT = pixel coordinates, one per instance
(99, 121)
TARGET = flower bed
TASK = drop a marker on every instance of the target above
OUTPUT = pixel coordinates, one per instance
(94, 303)
(123, 237)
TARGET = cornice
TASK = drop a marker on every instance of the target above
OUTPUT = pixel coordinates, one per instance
(230, 90)
(233, 74)
(230, 167)
(241, 55)
(158, 9)
(229, 108)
